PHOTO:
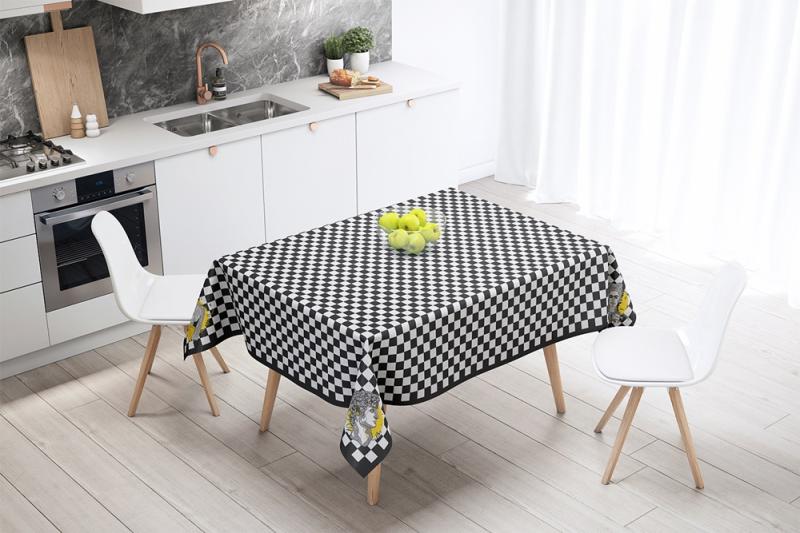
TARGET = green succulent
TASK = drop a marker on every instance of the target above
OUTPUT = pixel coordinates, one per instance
(358, 39)
(334, 47)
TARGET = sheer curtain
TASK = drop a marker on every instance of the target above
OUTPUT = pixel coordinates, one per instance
(680, 117)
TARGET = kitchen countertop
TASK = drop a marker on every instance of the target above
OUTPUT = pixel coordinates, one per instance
(133, 139)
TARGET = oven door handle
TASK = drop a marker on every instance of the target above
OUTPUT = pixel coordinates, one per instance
(91, 209)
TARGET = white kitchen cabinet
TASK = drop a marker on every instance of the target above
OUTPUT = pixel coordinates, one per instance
(406, 150)
(16, 8)
(210, 203)
(16, 216)
(23, 328)
(84, 318)
(309, 176)
(19, 263)
(155, 6)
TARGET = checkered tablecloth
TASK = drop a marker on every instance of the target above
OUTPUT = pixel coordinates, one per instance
(343, 315)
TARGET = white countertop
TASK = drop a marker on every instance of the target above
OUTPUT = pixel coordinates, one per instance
(133, 139)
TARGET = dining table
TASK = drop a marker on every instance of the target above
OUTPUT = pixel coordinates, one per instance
(342, 314)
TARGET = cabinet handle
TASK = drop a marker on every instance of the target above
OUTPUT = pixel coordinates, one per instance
(411, 103)
(212, 150)
(314, 126)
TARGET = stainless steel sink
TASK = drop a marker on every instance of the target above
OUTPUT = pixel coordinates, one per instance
(196, 124)
(227, 117)
(254, 111)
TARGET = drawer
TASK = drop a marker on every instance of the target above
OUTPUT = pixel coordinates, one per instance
(16, 216)
(19, 263)
(23, 328)
(83, 318)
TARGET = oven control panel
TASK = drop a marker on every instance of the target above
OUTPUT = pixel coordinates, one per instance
(93, 187)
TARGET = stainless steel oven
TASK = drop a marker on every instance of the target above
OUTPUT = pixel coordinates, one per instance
(73, 266)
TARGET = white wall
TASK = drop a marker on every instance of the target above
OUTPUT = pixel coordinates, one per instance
(458, 39)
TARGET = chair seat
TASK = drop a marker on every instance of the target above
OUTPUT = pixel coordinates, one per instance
(642, 354)
(172, 298)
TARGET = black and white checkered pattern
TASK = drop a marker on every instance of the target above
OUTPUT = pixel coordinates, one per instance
(336, 310)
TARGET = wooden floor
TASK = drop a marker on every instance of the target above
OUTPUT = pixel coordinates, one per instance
(490, 455)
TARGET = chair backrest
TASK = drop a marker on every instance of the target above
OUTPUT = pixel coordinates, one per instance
(705, 332)
(130, 281)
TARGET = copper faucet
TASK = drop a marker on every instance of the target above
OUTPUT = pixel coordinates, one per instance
(203, 94)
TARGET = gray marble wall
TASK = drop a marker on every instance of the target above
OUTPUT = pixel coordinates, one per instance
(147, 61)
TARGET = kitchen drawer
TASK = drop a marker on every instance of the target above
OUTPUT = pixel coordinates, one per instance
(86, 317)
(16, 216)
(19, 263)
(23, 327)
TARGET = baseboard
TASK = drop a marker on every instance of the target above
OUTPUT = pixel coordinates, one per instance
(476, 172)
(55, 353)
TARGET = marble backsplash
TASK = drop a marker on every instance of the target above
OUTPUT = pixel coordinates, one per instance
(147, 61)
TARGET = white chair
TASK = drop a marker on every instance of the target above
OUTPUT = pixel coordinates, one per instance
(639, 357)
(150, 299)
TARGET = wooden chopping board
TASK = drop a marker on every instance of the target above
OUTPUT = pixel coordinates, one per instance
(64, 70)
(346, 93)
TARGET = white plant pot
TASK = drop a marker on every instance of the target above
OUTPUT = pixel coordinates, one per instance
(360, 62)
(334, 64)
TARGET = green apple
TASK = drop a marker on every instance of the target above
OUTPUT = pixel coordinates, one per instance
(436, 230)
(430, 231)
(398, 239)
(389, 221)
(409, 222)
(420, 214)
(416, 243)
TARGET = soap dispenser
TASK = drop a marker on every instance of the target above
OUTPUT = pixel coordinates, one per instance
(218, 88)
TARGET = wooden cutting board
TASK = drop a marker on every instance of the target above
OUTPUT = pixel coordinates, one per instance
(64, 70)
(346, 93)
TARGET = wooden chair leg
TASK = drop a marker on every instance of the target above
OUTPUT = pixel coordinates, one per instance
(686, 435)
(612, 407)
(551, 358)
(625, 426)
(144, 369)
(273, 380)
(157, 331)
(374, 486)
(220, 361)
(201, 369)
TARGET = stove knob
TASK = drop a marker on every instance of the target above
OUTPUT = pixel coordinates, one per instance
(66, 159)
(30, 166)
(55, 161)
(43, 164)
(59, 194)
(130, 177)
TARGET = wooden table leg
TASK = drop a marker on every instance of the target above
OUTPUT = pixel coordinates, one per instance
(273, 380)
(374, 486)
(551, 358)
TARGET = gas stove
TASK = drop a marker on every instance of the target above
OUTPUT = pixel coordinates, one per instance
(30, 153)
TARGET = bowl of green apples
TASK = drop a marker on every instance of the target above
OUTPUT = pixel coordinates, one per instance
(412, 232)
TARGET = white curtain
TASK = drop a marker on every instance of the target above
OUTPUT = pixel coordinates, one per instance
(679, 117)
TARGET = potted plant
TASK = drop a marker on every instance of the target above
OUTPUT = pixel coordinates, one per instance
(358, 42)
(334, 52)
